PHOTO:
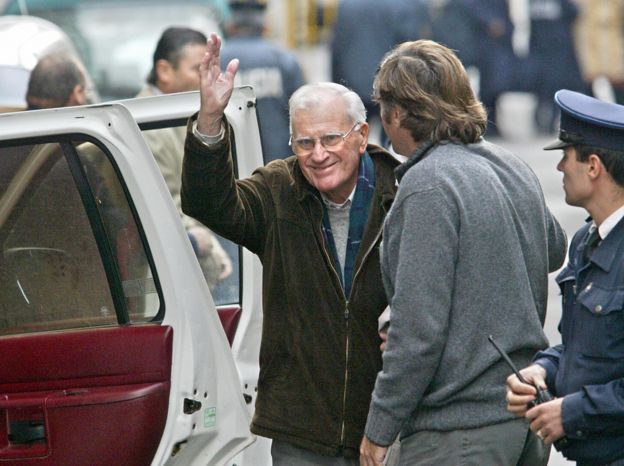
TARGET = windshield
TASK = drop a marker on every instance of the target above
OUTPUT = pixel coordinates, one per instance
(116, 40)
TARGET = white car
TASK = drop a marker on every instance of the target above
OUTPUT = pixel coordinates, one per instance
(112, 351)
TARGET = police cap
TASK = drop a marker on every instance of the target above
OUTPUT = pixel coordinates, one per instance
(588, 121)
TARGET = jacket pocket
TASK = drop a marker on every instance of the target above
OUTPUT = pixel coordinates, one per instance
(601, 321)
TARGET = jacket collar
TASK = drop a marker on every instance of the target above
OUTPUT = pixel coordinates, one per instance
(606, 252)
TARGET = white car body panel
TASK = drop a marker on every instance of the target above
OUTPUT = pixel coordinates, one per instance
(204, 369)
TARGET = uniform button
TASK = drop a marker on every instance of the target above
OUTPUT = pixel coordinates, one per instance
(589, 287)
(579, 433)
(598, 308)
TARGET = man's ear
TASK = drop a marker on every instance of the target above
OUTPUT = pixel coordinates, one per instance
(77, 96)
(595, 167)
(164, 73)
(363, 130)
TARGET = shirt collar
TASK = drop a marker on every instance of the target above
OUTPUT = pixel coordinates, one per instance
(333, 205)
(611, 221)
(154, 89)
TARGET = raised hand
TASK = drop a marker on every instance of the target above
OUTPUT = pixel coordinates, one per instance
(215, 87)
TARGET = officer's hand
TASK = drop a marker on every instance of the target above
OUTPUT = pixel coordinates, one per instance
(215, 87)
(545, 420)
(519, 394)
(371, 454)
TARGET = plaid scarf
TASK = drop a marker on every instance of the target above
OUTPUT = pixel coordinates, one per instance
(358, 217)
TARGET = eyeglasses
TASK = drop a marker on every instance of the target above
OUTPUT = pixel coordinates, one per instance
(305, 146)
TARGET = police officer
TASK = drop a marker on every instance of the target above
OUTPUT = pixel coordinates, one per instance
(272, 71)
(586, 372)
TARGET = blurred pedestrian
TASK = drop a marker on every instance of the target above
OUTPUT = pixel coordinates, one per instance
(364, 31)
(552, 58)
(451, 26)
(176, 61)
(496, 60)
(585, 373)
(272, 71)
(467, 247)
(314, 219)
(599, 35)
(58, 80)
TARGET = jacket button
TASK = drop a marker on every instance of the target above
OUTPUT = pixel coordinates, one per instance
(589, 287)
(598, 308)
(579, 433)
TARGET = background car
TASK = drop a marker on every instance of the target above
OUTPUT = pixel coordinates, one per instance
(116, 40)
(26, 39)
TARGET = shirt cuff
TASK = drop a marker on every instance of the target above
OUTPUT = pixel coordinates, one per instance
(206, 139)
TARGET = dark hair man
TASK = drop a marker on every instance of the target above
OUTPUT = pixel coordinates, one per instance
(467, 248)
(57, 80)
(586, 371)
(314, 219)
(176, 61)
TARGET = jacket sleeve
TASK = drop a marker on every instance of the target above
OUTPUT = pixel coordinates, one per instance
(236, 210)
(594, 409)
(416, 337)
(549, 360)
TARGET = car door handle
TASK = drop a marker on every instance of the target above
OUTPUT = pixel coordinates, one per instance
(26, 432)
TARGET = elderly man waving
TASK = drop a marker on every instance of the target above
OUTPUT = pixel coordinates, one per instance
(315, 221)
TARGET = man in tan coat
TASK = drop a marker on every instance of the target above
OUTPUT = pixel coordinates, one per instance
(176, 69)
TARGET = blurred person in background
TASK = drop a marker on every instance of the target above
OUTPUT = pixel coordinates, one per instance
(364, 31)
(176, 61)
(552, 60)
(449, 27)
(496, 60)
(58, 80)
(599, 38)
(272, 71)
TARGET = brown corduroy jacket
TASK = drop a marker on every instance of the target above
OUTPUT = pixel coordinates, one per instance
(319, 355)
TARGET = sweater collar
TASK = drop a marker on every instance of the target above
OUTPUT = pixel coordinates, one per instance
(417, 156)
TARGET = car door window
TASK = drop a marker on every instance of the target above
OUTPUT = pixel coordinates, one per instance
(166, 143)
(71, 252)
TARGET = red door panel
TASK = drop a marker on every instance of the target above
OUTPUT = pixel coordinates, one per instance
(84, 397)
(229, 315)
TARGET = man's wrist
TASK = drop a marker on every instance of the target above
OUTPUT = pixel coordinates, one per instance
(209, 139)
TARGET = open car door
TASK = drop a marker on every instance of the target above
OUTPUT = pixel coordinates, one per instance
(111, 350)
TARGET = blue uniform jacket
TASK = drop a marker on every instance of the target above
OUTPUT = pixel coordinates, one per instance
(588, 367)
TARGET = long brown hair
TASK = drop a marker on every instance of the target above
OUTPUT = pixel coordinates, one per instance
(430, 85)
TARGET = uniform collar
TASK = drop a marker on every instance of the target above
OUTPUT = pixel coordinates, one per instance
(606, 252)
(610, 222)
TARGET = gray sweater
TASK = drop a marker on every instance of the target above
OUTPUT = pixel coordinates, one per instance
(467, 248)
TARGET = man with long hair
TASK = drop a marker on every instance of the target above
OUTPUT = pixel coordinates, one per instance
(467, 247)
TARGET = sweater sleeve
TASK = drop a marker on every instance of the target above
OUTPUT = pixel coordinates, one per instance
(420, 279)
(557, 242)
(236, 210)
